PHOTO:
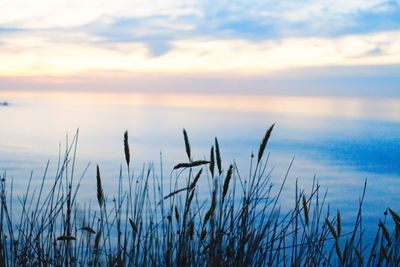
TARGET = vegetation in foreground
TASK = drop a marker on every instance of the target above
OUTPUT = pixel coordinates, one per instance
(146, 225)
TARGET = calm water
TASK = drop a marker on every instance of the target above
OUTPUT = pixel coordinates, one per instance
(342, 141)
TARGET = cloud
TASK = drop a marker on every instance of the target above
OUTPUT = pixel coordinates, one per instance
(155, 31)
(281, 19)
(65, 52)
(234, 19)
(65, 37)
(73, 13)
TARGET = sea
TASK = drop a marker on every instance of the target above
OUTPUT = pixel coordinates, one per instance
(338, 142)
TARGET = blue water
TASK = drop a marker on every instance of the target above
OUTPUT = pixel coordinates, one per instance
(340, 141)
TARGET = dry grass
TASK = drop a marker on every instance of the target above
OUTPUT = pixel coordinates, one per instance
(239, 224)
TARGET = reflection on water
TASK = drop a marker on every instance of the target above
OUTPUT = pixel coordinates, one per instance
(340, 140)
(354, 108)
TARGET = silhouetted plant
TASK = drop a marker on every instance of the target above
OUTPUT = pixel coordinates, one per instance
(239, 224)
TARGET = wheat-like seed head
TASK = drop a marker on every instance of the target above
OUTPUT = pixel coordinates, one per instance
(217, 152)
(100, 194)
(126, 148)
(187, 145)
(226, 182)
(212, 161)
(264, 142)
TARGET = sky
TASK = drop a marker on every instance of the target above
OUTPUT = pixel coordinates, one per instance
(342, 47)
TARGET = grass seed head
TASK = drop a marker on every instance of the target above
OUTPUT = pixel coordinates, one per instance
(264, 142)
(176, 214)
(191, 164)
(133, 225)
(126, 148)
(191, 230)
(195, 180)
(212, 161)
(187, 145)
(97, 241)
(88, 229)
(305, 209)
(331, 229)
(226, 182)
(218, 154)
(338, 223)
(396, 218)
(100, 194)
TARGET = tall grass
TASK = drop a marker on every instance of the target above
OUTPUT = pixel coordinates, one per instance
(152, 222)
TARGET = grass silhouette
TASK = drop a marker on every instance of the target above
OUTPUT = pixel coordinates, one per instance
(150, 224)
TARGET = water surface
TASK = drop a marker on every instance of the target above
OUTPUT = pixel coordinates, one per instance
(340, 141)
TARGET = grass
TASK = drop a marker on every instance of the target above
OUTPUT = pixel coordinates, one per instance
(152, 222)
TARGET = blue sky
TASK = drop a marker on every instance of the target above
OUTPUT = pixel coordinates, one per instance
(259, 41)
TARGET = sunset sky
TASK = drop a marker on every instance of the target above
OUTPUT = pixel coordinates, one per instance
(281, 47)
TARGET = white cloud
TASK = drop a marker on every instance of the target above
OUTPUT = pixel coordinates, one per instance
(73, 13)
(49, 53)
